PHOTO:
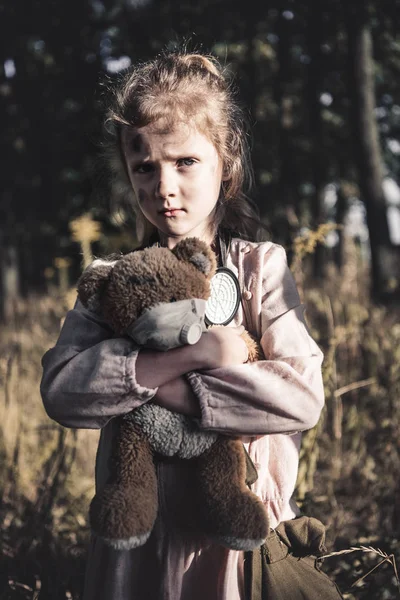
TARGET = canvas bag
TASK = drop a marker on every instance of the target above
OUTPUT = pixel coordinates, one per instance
(285, 567)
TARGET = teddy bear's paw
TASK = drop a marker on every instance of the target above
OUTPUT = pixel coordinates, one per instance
(253, 347)
(129, 543)
(121, 515)
(237, 519)
(237, 534)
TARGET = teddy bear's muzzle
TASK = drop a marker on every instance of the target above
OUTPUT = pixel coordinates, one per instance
(170, 325)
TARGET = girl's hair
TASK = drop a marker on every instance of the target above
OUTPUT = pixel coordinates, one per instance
(193, 88)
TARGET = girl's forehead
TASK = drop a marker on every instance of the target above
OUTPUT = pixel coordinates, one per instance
(176, 135)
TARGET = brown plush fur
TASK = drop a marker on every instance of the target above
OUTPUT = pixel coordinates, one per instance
(142, 279)
(124, 511)
(228, 507)
(253, 347)
(131, 488)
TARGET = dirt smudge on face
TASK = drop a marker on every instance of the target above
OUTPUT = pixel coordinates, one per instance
(137, 142)
(142, 196)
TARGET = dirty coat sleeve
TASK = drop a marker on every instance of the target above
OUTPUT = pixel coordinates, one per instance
(90, 375)
(283, 393)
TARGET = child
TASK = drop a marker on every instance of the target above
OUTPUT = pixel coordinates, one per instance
(178, 152)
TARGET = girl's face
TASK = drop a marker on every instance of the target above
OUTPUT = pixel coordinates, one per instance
(176, 176)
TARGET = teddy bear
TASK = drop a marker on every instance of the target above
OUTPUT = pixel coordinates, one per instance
(157, 297)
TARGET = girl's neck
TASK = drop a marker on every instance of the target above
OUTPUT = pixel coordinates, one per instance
(208, 237)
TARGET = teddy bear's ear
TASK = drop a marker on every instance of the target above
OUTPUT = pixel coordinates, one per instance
(92, 282)
(198, 253)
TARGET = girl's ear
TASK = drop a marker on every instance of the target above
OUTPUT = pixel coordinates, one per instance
(226, 173)
(92, 282)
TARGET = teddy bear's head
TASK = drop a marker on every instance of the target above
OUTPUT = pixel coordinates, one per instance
(122, 289)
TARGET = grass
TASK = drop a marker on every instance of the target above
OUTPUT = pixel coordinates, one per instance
(349, 468)
(350, 462)
(46, 470)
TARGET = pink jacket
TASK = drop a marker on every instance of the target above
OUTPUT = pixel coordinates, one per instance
(89, 377)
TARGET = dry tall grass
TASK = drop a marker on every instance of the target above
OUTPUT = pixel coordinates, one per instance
(349, 469)
(46, 471)
(349, 472)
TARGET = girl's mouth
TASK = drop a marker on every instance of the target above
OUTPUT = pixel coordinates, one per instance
(172, 212)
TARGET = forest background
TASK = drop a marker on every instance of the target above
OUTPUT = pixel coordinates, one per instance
(320, 81)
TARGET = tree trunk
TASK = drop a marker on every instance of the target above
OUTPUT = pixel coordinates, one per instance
(385, 259)
(9, 280)
(314, 90)
(288, 177)
(341, 209)
(251, 87)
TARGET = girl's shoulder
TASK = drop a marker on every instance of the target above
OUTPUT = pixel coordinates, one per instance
(263, 266)
(259, 251)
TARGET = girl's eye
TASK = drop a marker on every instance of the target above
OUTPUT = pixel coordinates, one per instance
(186, 162)
(143, 168)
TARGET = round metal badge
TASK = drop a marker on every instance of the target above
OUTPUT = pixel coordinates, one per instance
(224, 299)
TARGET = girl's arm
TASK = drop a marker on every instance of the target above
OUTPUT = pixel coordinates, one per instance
(218, 347)
(177, 395)
(91, 376)
(283, 393)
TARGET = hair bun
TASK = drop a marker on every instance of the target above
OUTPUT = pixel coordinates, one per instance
(201, 62)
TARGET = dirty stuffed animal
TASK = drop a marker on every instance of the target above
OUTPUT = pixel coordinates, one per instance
(157, 297)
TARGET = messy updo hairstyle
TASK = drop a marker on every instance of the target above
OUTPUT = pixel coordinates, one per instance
(189, 88)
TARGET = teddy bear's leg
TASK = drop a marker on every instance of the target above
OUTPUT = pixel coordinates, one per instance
(230, 513)
(124, 511)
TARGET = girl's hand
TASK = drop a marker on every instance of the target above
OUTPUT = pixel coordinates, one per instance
(222, 347)
(218, 347)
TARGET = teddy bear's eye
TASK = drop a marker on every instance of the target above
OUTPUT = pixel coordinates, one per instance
(173, 299)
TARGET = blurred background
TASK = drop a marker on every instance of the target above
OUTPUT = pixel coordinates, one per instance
(320, 80)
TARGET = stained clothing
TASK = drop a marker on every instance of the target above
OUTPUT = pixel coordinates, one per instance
(89, 377)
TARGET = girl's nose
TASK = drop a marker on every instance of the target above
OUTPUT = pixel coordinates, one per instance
(167, 184)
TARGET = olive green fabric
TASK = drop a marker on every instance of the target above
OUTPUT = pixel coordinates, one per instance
(286, 568)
